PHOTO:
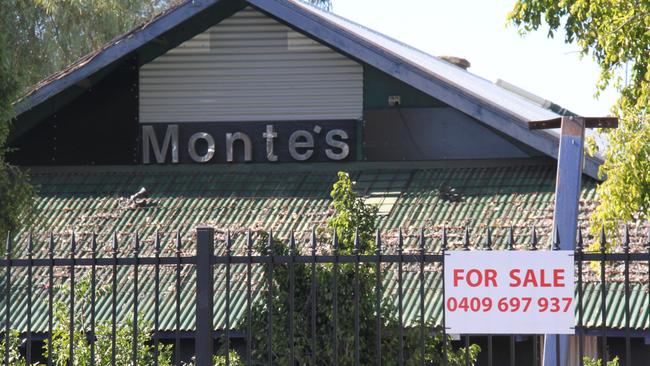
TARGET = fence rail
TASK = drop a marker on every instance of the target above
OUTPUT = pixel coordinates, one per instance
(261, 290)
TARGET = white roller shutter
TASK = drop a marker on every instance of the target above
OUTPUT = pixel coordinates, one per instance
(250, 68)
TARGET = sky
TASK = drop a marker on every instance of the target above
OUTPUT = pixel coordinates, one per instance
(476, 30)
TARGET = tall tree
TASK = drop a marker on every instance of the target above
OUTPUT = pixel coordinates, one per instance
(43, 36)
(616, 33)
(15, 191)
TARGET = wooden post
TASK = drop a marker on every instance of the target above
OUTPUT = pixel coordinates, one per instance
(565, 217)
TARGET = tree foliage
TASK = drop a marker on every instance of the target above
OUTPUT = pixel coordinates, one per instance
(351, 216)
(616, 33)
(40, 37)
(350, 213)
(15, 192)
(15, 358)
(598, 362)
(46, 35)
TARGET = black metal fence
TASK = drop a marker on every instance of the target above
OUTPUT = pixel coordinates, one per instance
(415, 260)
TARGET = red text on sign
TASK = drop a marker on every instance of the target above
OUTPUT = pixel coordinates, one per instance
(518, 278)
(510, 304)
(475, 277)
(531, 278)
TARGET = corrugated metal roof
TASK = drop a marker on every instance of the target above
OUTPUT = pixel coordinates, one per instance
(289, 197)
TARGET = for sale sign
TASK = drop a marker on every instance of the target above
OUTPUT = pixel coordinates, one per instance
(509, 292)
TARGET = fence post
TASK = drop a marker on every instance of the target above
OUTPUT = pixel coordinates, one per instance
(203, 340)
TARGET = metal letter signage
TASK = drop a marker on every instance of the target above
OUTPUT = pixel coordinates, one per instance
(509, 292)
(205, 143)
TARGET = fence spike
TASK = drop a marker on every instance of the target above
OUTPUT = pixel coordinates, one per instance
(488, 239)
(511, 238)
(136, 244)
(228, 243)
(30, 244)
(626, 239)
(556, 239)
(156, 249)
(466, 239)
(8, 246)
(335, 243)
(178, 243)
(93, 245)
(422, 241)
(313, 241)
(603, 239)
(114, 244)
(356, 242)
(270, 243)
(378, 242)
(400, 242)
(73, 244)
(50, 249)
(249, 243)
(444, 238)
(533, 238)
(292, 243)
(580, 245)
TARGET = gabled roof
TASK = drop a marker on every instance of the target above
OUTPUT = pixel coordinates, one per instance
(488, 103)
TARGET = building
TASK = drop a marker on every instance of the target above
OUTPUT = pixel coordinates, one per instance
(238, 114)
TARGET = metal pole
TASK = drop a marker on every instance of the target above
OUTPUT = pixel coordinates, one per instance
(204, 292)
(565, 220)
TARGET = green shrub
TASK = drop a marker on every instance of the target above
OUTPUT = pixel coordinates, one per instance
(350, 213)
(597, 362)
(103, 336)
(14, 353)
(221, 360)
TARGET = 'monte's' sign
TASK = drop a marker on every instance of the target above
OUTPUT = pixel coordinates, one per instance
(247, 142)
(507, 292)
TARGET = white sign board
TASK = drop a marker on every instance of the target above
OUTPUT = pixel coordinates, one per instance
(509, 292)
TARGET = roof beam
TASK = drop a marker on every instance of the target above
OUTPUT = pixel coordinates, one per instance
(590, 122)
